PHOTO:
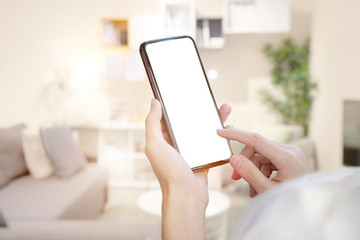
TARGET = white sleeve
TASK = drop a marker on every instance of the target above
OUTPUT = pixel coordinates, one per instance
(323, 205)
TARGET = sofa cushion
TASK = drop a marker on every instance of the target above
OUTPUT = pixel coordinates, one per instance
(12, 162)
(81, 229)
(2, 220)
(62, 150)
(36, 160)
(80, 196)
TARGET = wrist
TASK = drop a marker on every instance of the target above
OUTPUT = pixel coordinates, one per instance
(183, 195)
(183, 214)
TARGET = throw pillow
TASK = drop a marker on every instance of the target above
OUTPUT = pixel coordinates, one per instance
(62, 150)
(12, 163)
(36, 159)
(2, 220)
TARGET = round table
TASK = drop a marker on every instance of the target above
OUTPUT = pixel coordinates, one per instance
(216, 212)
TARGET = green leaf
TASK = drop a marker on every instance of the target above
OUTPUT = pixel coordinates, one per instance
(290, 71)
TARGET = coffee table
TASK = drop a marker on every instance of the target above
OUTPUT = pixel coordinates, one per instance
(216, 212)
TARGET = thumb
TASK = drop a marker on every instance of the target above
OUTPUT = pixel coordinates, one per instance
(248, 171)
(152, 123)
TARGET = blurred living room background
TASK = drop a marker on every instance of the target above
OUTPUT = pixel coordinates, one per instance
(76, 64)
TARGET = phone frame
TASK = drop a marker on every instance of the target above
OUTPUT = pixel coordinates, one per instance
(157, 95)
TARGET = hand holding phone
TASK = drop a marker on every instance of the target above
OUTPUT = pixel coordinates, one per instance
(179, 82)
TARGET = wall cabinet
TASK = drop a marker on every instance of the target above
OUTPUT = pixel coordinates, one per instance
(209, 34)
(257, 16)
(178, 17)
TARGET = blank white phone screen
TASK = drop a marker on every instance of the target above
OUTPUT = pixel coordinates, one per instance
(188, 101)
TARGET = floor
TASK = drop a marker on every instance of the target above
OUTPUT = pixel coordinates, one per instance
(122, 206)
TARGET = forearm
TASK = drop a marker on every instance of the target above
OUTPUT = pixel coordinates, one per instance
(183, 216)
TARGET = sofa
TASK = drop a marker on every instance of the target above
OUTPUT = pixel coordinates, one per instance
(79, 192)
(48, 190)
(79, 230)
(81, 196)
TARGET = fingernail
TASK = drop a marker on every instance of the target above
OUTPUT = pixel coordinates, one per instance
(236, 161)
(152, 102)
(220, 130)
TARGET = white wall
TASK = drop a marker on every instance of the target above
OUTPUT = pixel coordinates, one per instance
(335, 65)
(39, 35)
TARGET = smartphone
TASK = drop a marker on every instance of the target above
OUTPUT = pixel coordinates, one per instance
(190, 113)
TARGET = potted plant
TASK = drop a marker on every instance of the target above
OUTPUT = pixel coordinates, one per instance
(290, 72)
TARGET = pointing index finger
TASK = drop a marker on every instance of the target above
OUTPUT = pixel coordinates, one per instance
(260, 144)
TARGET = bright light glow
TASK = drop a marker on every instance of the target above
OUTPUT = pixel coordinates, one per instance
(86, 75)
(212, 74)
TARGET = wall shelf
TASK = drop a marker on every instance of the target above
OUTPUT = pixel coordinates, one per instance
(114, 33)
(121, 151)
(209, 33)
